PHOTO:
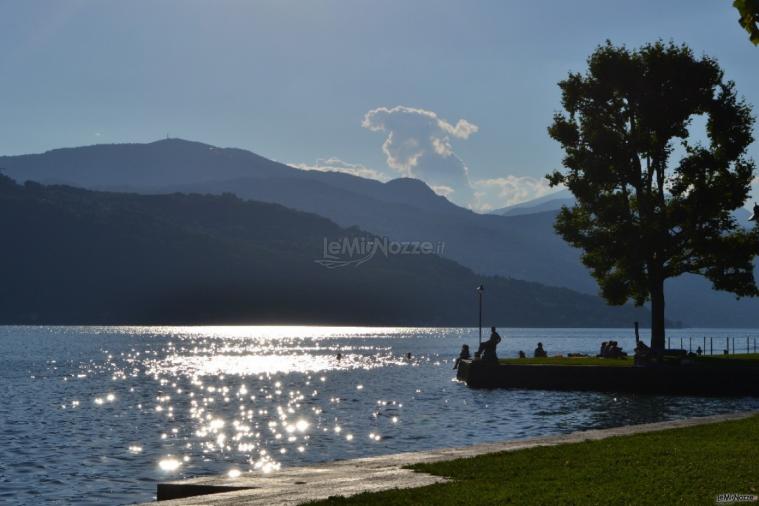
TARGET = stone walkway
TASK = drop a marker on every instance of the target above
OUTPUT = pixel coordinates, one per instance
(296, 485)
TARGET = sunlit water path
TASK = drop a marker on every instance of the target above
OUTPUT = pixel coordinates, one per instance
(100, 414)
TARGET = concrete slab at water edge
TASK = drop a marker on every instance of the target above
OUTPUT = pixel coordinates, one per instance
(297, 485)
(696, 380)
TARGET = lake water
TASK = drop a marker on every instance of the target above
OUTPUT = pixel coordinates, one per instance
(101, 414)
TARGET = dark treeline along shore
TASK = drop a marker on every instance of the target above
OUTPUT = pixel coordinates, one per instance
(74, 256)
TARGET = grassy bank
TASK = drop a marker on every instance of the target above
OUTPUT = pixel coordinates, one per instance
(609, 362)
(741, 359)
(684, 466)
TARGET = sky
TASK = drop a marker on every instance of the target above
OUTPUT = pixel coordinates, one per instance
(457, 93)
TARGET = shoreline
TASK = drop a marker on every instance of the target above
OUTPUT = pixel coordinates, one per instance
(297, 485)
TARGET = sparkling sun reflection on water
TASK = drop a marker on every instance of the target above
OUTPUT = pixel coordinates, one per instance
(99, 414)
(225, 381)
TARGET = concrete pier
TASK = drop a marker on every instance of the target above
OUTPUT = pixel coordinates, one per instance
(297, 485)
(697, 379)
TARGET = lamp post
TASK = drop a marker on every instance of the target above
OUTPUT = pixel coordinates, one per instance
(480, 289)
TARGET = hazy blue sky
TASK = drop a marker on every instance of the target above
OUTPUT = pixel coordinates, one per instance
(294, 81)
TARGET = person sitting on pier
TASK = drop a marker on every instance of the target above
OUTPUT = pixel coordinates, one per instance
(540, 352)
(464, 355)
(487, 349)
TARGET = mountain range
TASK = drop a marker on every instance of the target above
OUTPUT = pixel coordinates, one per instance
(75, 256)
(517, 242)
(551, 202)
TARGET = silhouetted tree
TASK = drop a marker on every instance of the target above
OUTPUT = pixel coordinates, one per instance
(749, 20)
(642, 217)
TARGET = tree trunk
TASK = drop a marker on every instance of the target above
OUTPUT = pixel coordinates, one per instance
(657, 315)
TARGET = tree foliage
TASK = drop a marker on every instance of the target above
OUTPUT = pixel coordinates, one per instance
(653, 201)
(749, 20)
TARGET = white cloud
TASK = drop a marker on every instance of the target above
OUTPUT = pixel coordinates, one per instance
(418, 144)
(507, 191)
(445, 191)
(334, 164)
(442, 147)
(376, 120)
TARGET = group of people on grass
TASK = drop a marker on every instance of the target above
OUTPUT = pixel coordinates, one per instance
(611, 349)
(486, 351)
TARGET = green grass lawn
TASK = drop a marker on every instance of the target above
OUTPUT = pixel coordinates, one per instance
(677, 466)
(742, 359)
(609, 362)
(737, 356)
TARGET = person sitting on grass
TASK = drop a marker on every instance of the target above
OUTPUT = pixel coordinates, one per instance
(540, 352)
(522, 354)
(602, 353)
(612, 350)
(464, 355)
(486, 350)
(642, 353)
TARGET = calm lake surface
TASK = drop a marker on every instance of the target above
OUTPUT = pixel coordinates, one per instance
(100, 414)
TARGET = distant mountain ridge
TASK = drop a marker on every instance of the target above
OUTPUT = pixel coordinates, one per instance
(402, 209)
(73, 256)
(520, 245)
(159, 163)
(169, 164)
(551, 202)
